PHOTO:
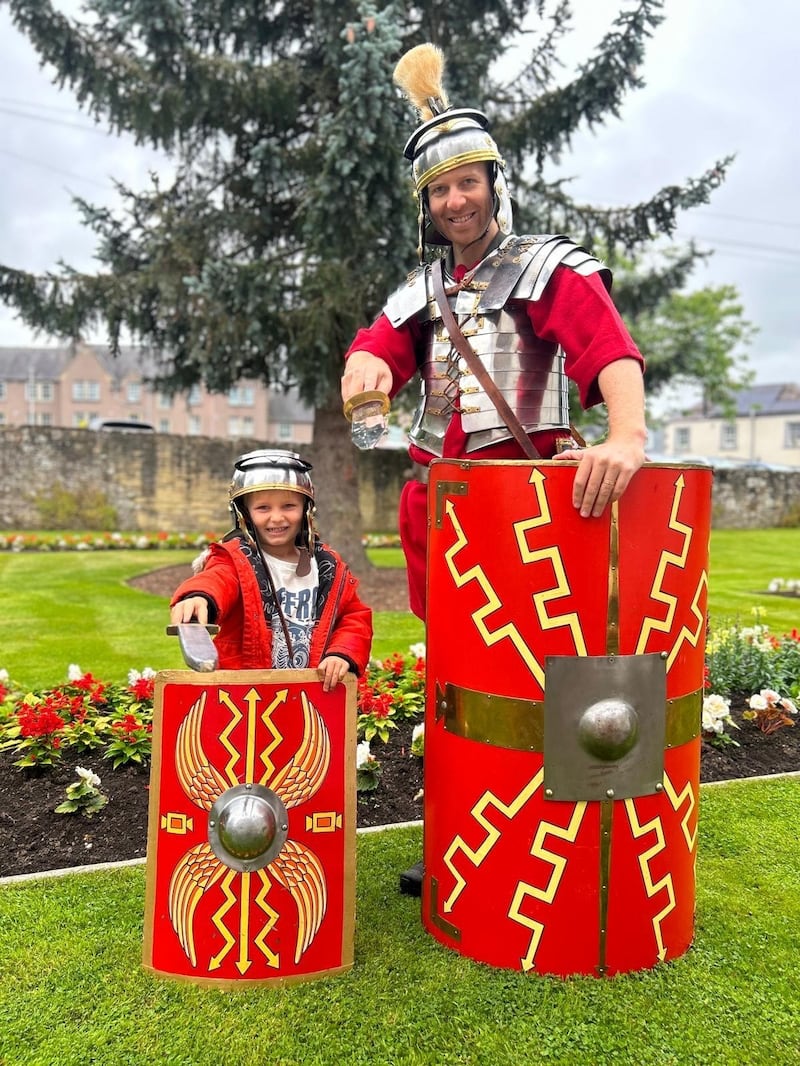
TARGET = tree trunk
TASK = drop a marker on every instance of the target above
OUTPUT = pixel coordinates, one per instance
(335, 477)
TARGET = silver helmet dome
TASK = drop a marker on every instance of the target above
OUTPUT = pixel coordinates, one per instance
(270, 468)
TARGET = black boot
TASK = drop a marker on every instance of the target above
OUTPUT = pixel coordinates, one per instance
(411, 880)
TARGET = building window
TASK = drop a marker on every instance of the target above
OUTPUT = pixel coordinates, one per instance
(240, 427)
(164, 401)
(285, 430)
(195, 428)
(38, 390)
(683, 438)
(2, 418)
(83, 391)
(79, 420)
(793, 434)
(163, 425)
(2, 390)
(728, 436)
(195, 397)
(241, 396)
(134, 392)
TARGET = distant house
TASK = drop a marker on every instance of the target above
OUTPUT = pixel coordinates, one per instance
(81, 384)
(765, 428)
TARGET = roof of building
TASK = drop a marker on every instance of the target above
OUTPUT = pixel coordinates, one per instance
(781, 398)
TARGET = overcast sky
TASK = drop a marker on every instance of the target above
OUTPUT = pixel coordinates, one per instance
(722, 78)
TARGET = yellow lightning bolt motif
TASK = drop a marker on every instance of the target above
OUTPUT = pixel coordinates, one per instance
(224, 737)
(475, 573)
(546, 894)
(652, 887)
(244, 962)
(477, 855)
(687, 634)
(676, 799)
(272, 920)
(217, 919)
(267, 750)
(657, 593)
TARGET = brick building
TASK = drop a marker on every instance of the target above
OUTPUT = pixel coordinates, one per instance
(77, 385)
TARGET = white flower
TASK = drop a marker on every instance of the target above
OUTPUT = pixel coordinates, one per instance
(88, 776)
(74, 673)
(418, 650)
(717, 705)
(758, 703)
(775, 584)
(712, 724)
(716, 714)
(771, 696)
(788, 705)
(3, 676)
(148, 673)
(418, 731)
(363, 754)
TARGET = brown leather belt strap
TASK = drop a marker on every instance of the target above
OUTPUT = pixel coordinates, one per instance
(476, 366)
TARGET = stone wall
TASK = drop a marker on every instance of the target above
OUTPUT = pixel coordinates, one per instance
(180, 484)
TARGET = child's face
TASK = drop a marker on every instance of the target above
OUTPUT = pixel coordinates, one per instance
(277, 515)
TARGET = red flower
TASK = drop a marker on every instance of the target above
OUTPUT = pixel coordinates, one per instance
(143, 688)
(39, 721)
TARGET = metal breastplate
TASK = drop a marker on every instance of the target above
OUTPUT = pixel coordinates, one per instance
(491, 311)
(528, 371)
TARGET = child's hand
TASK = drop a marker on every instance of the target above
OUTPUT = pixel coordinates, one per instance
(332, 670)
(193, 609)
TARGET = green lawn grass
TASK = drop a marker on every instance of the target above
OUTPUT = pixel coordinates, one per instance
(75, 607)
(72, 991)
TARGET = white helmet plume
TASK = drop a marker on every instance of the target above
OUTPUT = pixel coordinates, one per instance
(419, 73)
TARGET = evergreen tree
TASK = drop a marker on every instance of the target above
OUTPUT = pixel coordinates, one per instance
(290, 218)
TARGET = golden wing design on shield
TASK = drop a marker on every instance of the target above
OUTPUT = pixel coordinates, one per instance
(194, 874)
(300, 871)
(201, 782)
(300, 779)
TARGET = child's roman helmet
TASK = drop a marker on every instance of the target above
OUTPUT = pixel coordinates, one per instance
(270, 468)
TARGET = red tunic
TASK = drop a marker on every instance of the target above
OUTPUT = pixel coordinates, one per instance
(244, 642)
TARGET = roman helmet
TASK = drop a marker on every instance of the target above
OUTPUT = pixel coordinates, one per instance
(448, 137)
(270, 468)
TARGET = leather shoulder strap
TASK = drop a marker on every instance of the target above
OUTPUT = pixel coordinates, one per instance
(476, 366)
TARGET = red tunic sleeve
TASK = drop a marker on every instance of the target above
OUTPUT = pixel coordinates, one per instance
(578, 313)
(397, 347)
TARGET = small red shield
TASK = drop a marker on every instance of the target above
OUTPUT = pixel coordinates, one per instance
(251, 838)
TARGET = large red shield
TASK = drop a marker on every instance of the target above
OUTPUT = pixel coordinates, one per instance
(562, 734)
(251, 839)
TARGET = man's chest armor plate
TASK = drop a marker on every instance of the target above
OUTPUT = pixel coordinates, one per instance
(491, 311)
(527, 370)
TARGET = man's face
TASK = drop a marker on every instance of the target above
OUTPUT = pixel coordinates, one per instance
(277, 515)
(460, 203)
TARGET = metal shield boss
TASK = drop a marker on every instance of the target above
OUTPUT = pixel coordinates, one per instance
(251, 837)
(562, 732)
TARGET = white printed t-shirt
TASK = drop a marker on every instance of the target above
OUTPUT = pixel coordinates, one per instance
(297, 597)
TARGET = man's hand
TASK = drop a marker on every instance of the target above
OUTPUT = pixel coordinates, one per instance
(193, 609)
(606, 469)
(603, 474)
(365, 372)
(331, 670)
